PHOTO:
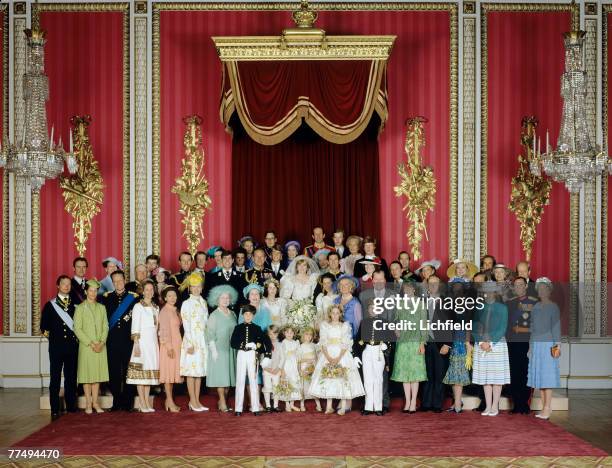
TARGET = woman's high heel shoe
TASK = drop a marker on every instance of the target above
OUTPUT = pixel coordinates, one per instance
(172, 409)
(98, 409)
(88, 411)
(197, 410)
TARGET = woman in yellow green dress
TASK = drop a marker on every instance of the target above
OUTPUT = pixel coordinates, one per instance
(409, 363)
(91, 328)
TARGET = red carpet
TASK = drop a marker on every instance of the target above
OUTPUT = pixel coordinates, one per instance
(307, 434)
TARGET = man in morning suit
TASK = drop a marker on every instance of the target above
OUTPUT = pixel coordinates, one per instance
(225, 276)
(77, 288)
(119, 304)
(57, 325)
(437, 349)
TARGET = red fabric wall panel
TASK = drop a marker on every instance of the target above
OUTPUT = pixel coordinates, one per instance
(525, 62)
(190, 81)
(84, 63)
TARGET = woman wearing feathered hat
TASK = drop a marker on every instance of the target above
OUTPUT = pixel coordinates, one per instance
(427, 269)
(194, 313)
(222, 363)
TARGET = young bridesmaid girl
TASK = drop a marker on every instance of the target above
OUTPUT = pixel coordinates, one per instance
(290, 386)
(272, 372)
(307, 358)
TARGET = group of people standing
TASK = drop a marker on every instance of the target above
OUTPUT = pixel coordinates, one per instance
(242, 322)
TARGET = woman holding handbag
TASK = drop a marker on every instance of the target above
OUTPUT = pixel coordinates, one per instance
(544, 346)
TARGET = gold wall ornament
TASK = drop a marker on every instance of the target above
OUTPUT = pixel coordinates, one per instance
(83, 192)
(418, 185)
(530, 193)
(192, 187)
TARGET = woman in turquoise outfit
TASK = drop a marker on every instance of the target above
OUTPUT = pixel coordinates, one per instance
(409, 363)
(221, 323)
(253, 293)
(91, 328)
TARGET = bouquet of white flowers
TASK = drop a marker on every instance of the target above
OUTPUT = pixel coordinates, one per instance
(301, 314)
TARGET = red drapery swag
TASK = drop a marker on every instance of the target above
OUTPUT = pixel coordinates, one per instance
(334, 98)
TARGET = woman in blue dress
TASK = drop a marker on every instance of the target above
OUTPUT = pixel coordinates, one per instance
(458, 374)
(544, 346)
(345, 286)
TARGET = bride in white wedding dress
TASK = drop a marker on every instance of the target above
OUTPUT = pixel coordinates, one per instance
(300, 280)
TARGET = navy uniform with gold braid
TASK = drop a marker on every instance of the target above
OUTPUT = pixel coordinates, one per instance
(254, 275)
(372, 335)
(119, 347)
(179, 281)
(517, 336)
(63, 354)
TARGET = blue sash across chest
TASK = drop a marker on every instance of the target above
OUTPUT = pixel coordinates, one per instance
(118, 313)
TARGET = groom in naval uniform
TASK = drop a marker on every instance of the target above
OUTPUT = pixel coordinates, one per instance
(119, 304)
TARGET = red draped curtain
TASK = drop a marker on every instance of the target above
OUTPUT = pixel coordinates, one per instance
(305, 181)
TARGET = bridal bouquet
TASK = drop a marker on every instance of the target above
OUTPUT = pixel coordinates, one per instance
(334, 371)
(301, 314)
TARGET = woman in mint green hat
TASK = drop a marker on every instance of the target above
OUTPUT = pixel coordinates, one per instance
(91, 328)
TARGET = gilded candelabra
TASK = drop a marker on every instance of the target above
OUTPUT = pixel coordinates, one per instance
(530, 192)
(83, 192)
(36, 157)
(192, 186)
(418, 185)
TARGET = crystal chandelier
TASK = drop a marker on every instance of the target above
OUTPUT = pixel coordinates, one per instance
(36, 157)
(575, 160)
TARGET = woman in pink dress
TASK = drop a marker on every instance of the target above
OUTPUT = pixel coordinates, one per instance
(170, 346)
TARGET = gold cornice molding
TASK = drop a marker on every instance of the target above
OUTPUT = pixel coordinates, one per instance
(284, 6)
(486, 8)
(230, 48)
(451, 8)
(123, 7)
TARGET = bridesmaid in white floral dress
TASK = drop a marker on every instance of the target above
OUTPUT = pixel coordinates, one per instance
(194, 314)
(277, 306)
(336, 344)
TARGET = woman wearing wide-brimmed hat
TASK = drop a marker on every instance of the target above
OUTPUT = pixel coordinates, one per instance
(461, 268)
(491, 364)
(427, 269)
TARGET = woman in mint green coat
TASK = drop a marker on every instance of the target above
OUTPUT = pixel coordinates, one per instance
(91, 328)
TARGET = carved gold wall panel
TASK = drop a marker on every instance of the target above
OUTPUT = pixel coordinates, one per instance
(469, 138)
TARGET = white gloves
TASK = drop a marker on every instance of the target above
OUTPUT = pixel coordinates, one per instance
(213, 350)
(383, 346)
(250, 346)
(357, 362)
(265, 362)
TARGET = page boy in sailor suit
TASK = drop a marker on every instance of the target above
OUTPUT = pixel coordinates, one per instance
(250, 341)
(57, 325)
